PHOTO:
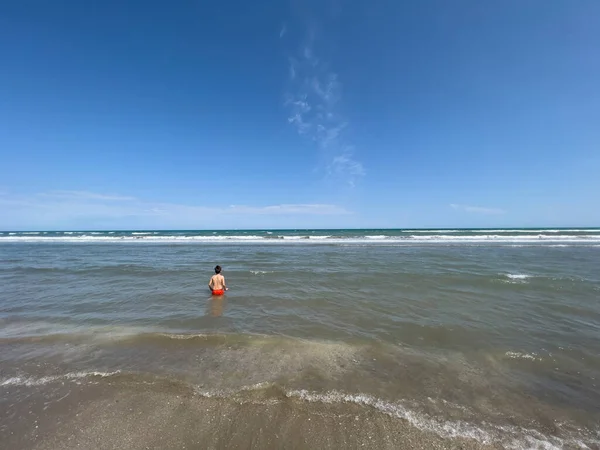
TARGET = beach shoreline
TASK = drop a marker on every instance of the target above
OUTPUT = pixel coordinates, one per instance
(135, 419)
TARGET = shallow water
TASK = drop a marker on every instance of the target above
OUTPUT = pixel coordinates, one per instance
(494, 341)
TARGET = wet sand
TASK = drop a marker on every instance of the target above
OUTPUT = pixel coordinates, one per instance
(142, 419)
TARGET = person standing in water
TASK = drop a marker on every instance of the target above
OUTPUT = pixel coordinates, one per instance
(217, 282)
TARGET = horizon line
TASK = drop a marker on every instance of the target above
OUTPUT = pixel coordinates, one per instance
(300, 229)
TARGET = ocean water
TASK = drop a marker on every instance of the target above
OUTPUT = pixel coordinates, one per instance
(326, 339)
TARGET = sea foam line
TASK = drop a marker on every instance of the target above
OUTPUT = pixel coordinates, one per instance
(397, 410)
(510, 436)
(517, 276)
(32, 381)
(404, 239)
(519, 355)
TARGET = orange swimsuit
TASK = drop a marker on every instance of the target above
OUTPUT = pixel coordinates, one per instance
(218, 291)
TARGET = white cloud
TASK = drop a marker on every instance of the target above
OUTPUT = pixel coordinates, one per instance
(60, 208)
(313, 103)
(85, 195)
(292, 68)
(343, 164)
(282, 31)
(477, 209)
(289, 209)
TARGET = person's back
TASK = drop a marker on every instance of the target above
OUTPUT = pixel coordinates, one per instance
(217, 282)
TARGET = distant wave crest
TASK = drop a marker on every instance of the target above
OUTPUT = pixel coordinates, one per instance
(551, 237)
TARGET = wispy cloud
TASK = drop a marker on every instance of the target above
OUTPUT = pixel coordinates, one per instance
(282, 30)
(477, 209)
(85, 195)
(290, 209)
(63, 207)
(313, 104)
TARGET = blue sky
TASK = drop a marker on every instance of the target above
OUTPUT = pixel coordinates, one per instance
(290, 114)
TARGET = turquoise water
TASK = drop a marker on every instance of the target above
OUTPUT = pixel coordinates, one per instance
(486, 335)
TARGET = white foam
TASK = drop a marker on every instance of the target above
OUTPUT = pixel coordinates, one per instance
(420, 421)
(438, 231)
(32, 381)
(540, 239)
(517, 276)
(508, 436)
(514, 238)
(184, 336)
(500, 230)
(259, 272)
(519, 355)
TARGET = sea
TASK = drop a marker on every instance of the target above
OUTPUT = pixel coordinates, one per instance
(333, 339)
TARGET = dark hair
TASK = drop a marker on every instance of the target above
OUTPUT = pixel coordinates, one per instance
(218, 269)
